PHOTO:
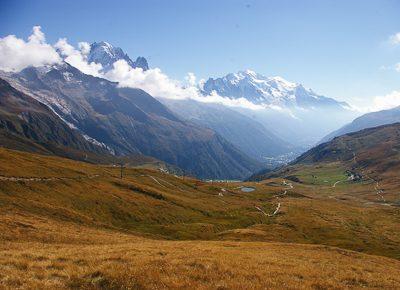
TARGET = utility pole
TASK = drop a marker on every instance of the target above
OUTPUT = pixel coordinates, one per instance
(122, 166)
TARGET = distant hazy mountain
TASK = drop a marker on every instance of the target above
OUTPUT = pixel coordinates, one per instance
(259, 89)
(29, 125)
(373, 148)
(369, 120)
(131, 121)
(106, 54)
(245, 133)
(293, 113)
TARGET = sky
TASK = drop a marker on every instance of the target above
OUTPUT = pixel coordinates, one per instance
(341, 49)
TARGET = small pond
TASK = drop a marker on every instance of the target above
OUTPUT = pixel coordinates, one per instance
(247, 189)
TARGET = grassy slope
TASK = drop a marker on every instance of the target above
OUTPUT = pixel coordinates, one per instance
(146, 264)
(114, 231)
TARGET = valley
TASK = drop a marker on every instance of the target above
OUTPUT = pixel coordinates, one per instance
(159, 218)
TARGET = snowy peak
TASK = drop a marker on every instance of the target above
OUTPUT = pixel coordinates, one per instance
(141, 62)
(281, 83)
(263, 90)
(106, 54)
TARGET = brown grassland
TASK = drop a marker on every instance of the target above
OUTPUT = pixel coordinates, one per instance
(67, 225)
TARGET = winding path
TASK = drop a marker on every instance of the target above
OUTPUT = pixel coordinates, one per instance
(376, 187)
(278, 197)
(334, 185)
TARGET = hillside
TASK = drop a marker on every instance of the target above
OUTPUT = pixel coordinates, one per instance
(369, 152)
(130, 121)
(369, 120)
(374, 149)
(27, 124)
(130, 220)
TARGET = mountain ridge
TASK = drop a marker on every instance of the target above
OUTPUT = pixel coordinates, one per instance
(106, 54)
(376, 147)
(130, 121)
(369, 120)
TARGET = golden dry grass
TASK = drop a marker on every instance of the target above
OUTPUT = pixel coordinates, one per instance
(86, 228)
(150, 264)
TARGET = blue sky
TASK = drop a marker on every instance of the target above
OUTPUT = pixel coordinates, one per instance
(338, 48)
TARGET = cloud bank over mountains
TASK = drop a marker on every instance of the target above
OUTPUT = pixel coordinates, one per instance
(17, 54)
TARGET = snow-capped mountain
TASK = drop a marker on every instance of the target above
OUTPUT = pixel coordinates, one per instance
(106, 54)
(263, 90)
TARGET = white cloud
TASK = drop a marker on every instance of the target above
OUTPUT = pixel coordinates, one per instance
(395, 39)
(78, 58)
(191, 79)
(84, 47)
(17, 54)
(37, 35)
(388, 101)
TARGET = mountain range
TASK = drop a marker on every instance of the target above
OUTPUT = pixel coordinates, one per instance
(290, 104)
(286, 109)
(130, 121)
(209, 140)
(368, 120)
(268, 91)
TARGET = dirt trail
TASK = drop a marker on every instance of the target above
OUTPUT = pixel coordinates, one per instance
(376, 187)
(155, 179)
(277, 209)
(263, 212)
(16, 179)
(278, 197)
(334, 185)
(281, 194)
(162, 180)
(288, 184)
